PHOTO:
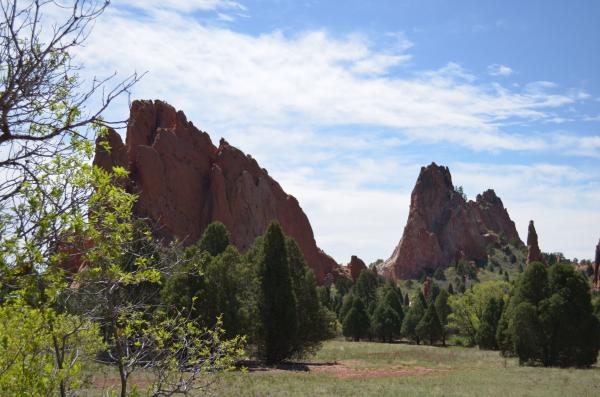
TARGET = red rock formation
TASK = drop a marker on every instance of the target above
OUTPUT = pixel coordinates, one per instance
(443, 227)
(533, 249)
(184, 183)
(356, 266)
(597, 268)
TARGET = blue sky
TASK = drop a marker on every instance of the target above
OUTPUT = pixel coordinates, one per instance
(343, 102)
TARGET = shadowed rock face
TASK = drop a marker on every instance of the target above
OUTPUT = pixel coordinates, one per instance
(533, 249)
(184, 183)
(356, 266)
(443, 227)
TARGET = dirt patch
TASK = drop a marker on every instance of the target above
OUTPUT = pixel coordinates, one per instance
(351, 369)
(348, 369)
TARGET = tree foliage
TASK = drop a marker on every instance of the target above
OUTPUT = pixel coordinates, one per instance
(429, 327)
(467, 308)
(486, 334)
(43, 104)
(413, 317)
(356, 323)
(549, 319)
(279, 325)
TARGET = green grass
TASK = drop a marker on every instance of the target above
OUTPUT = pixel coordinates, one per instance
(461, 372)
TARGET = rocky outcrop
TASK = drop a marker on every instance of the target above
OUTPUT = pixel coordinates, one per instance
(533, 249)
(356, 266)
(597, 268)
(184, 182)
(443, 227)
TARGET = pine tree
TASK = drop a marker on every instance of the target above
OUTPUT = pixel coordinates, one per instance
(412, 318)
(313, 326)
(215, 239)
(347, 302)
(278, 304)
(394, 300)
(443, 310)
(356, 323)
(366, 287)
(386, 322)
(429, 326)
(550, 319)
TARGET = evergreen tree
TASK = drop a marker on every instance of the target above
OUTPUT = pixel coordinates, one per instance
(429, 327)
(443, 310)
(356, 323)
(486, 334)
(386, 322)
(549, 320)
(412, 318)
(347, 303)
(394, 300)
(366, 288)
(215, 239)
(406, 300)
(278, 304)
(313, 321)
(433, 293)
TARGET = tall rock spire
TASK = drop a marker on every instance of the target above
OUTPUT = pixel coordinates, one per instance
(533, 249)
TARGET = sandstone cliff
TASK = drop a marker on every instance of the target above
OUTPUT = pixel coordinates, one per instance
(443, 227)
(184, 182)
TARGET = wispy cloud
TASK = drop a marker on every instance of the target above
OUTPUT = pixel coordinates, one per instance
(499, 70)
(295, 101)
(311, 79)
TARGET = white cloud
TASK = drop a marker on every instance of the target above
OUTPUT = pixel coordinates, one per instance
(310, 78)
(499, 70)
(279, 96)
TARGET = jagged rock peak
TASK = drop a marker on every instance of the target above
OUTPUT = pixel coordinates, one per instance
(533, 249)
(442, 227)
(356, 266)
(184, 182)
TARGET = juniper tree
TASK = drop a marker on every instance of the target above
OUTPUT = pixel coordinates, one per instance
(279, 322)
(356, 323)
(429, 327)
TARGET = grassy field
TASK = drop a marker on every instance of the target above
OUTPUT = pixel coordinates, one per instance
(375, 369)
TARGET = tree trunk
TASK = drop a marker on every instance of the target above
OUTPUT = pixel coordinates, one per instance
(123, 376)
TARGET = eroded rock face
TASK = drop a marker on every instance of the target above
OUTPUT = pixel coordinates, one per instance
(533, 249)
(356, 266)
(184, 182)
(443, 227)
